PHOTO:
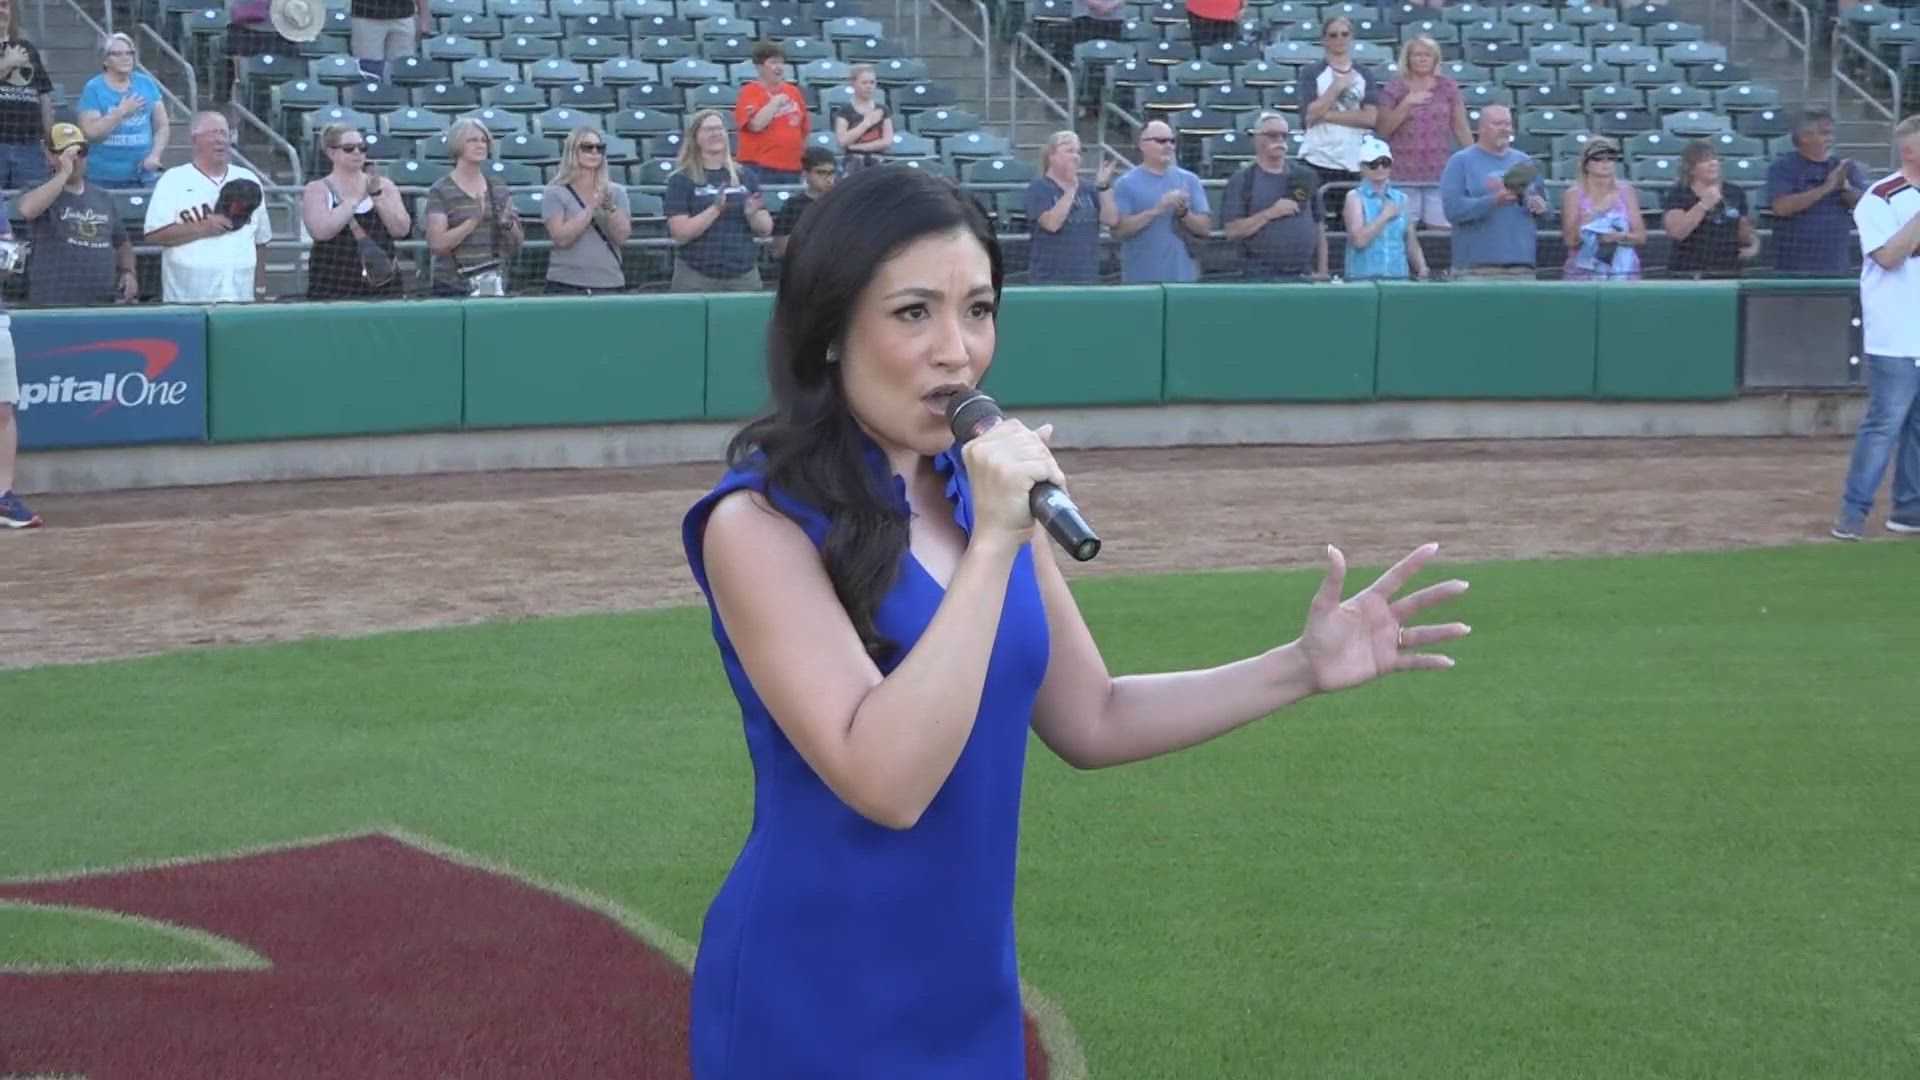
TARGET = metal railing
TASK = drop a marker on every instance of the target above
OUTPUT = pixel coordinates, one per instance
(1134, 124)
(274, 140)
(192, 102)
(982, 40)
(1802, 44)
(1843, 45)
(1016, 78)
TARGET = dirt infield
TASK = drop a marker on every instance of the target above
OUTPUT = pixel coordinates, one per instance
(141, 572)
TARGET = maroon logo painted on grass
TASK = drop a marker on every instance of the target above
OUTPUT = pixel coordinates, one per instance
(387, 962)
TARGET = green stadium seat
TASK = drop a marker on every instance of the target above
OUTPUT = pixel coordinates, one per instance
(1697, 54)
(1696, 123)
(997, 170)
(1654, 170)
(412, 124)
(453, 48)
(303, 95)
(1679, 98)
(514, 97)
(1674, 33)
(593, 48)
(477, 27)
(525, 49)
(1746, 97)
(558, 121)
(484, 71)
(447, 99)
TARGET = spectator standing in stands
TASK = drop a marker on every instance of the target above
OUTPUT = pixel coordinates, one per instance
(1065, 217)
(1272, 209)
(81, 253)
(26, 107)
(1888, 217)
(1380, 240)
(863, 126)
(1708, 223)
(1494, 196)
(472, 226)
(1812, 195)
(1210, 22)
(772, 117)
(123, 113)
(588, 219)
(1423, 117)
(209, 257)
(342, 210)
(384, 30)
(1339, 104)
(13, 513)
(1158, 202)
(820, 169)
(714, 210)
(1600, 221)
(1094, 20)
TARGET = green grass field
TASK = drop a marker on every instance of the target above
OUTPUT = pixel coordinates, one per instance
(1662, 821)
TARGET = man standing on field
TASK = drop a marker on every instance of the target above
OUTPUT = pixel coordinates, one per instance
(1888, 218)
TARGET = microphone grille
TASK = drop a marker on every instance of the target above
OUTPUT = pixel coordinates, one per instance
(966, 412)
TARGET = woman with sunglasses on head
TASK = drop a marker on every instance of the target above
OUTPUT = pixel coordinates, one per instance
(1600, 219)
(125, 117)
(896, 630)
(350, 203)
(587, 217)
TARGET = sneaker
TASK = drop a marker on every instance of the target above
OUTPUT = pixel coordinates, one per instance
(1846, 530)
(1894, 526)
(14, 513)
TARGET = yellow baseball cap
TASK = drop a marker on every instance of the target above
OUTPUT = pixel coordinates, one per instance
(61, 136)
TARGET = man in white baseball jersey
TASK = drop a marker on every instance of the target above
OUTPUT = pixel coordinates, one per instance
(1888, 219)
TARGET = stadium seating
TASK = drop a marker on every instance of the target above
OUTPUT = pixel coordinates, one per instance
(533, 69)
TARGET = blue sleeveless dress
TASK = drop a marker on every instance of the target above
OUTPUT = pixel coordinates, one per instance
(839, 948)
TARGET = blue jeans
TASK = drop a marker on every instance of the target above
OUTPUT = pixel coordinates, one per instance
(1891, 429)
(23, 166)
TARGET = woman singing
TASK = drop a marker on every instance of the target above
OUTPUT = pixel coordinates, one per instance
(893, 629)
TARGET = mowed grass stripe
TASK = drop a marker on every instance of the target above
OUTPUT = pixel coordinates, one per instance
(1659, 822)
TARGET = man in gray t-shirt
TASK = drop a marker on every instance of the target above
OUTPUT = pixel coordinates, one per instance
(81, 253)
(1272, 208)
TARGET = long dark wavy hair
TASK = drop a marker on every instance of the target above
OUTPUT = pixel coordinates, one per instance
(811, 447)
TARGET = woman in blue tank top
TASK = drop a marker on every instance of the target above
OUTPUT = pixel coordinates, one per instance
(892, 631)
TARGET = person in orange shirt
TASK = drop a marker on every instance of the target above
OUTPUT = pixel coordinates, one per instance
(1214, 21)
(772, 118)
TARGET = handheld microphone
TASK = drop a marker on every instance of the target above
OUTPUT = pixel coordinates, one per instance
(970, 414)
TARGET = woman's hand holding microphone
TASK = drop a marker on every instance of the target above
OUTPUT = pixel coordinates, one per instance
(1003, 463)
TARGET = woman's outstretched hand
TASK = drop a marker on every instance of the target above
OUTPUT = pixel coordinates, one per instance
(1350, 642)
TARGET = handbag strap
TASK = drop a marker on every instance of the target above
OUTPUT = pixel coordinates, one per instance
(353, 220)
(604, 238)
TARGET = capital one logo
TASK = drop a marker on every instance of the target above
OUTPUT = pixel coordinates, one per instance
(134, 389)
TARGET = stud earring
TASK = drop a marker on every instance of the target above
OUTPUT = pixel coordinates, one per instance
(833, 354)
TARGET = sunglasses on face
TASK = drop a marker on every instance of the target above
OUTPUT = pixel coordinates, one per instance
(352, 147)
(1379, 163)
(1604, 155)
(1159, 139)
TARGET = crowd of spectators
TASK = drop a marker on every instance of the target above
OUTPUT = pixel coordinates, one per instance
(1380, 170)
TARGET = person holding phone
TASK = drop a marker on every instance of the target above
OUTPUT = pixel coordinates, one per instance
(344, 211)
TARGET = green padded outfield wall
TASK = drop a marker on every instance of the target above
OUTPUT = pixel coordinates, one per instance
(1668, 340)
(1253, 342)
(1078, 347)
(586, 360)
(737, 354)
(288, 371)
(1521, 339)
